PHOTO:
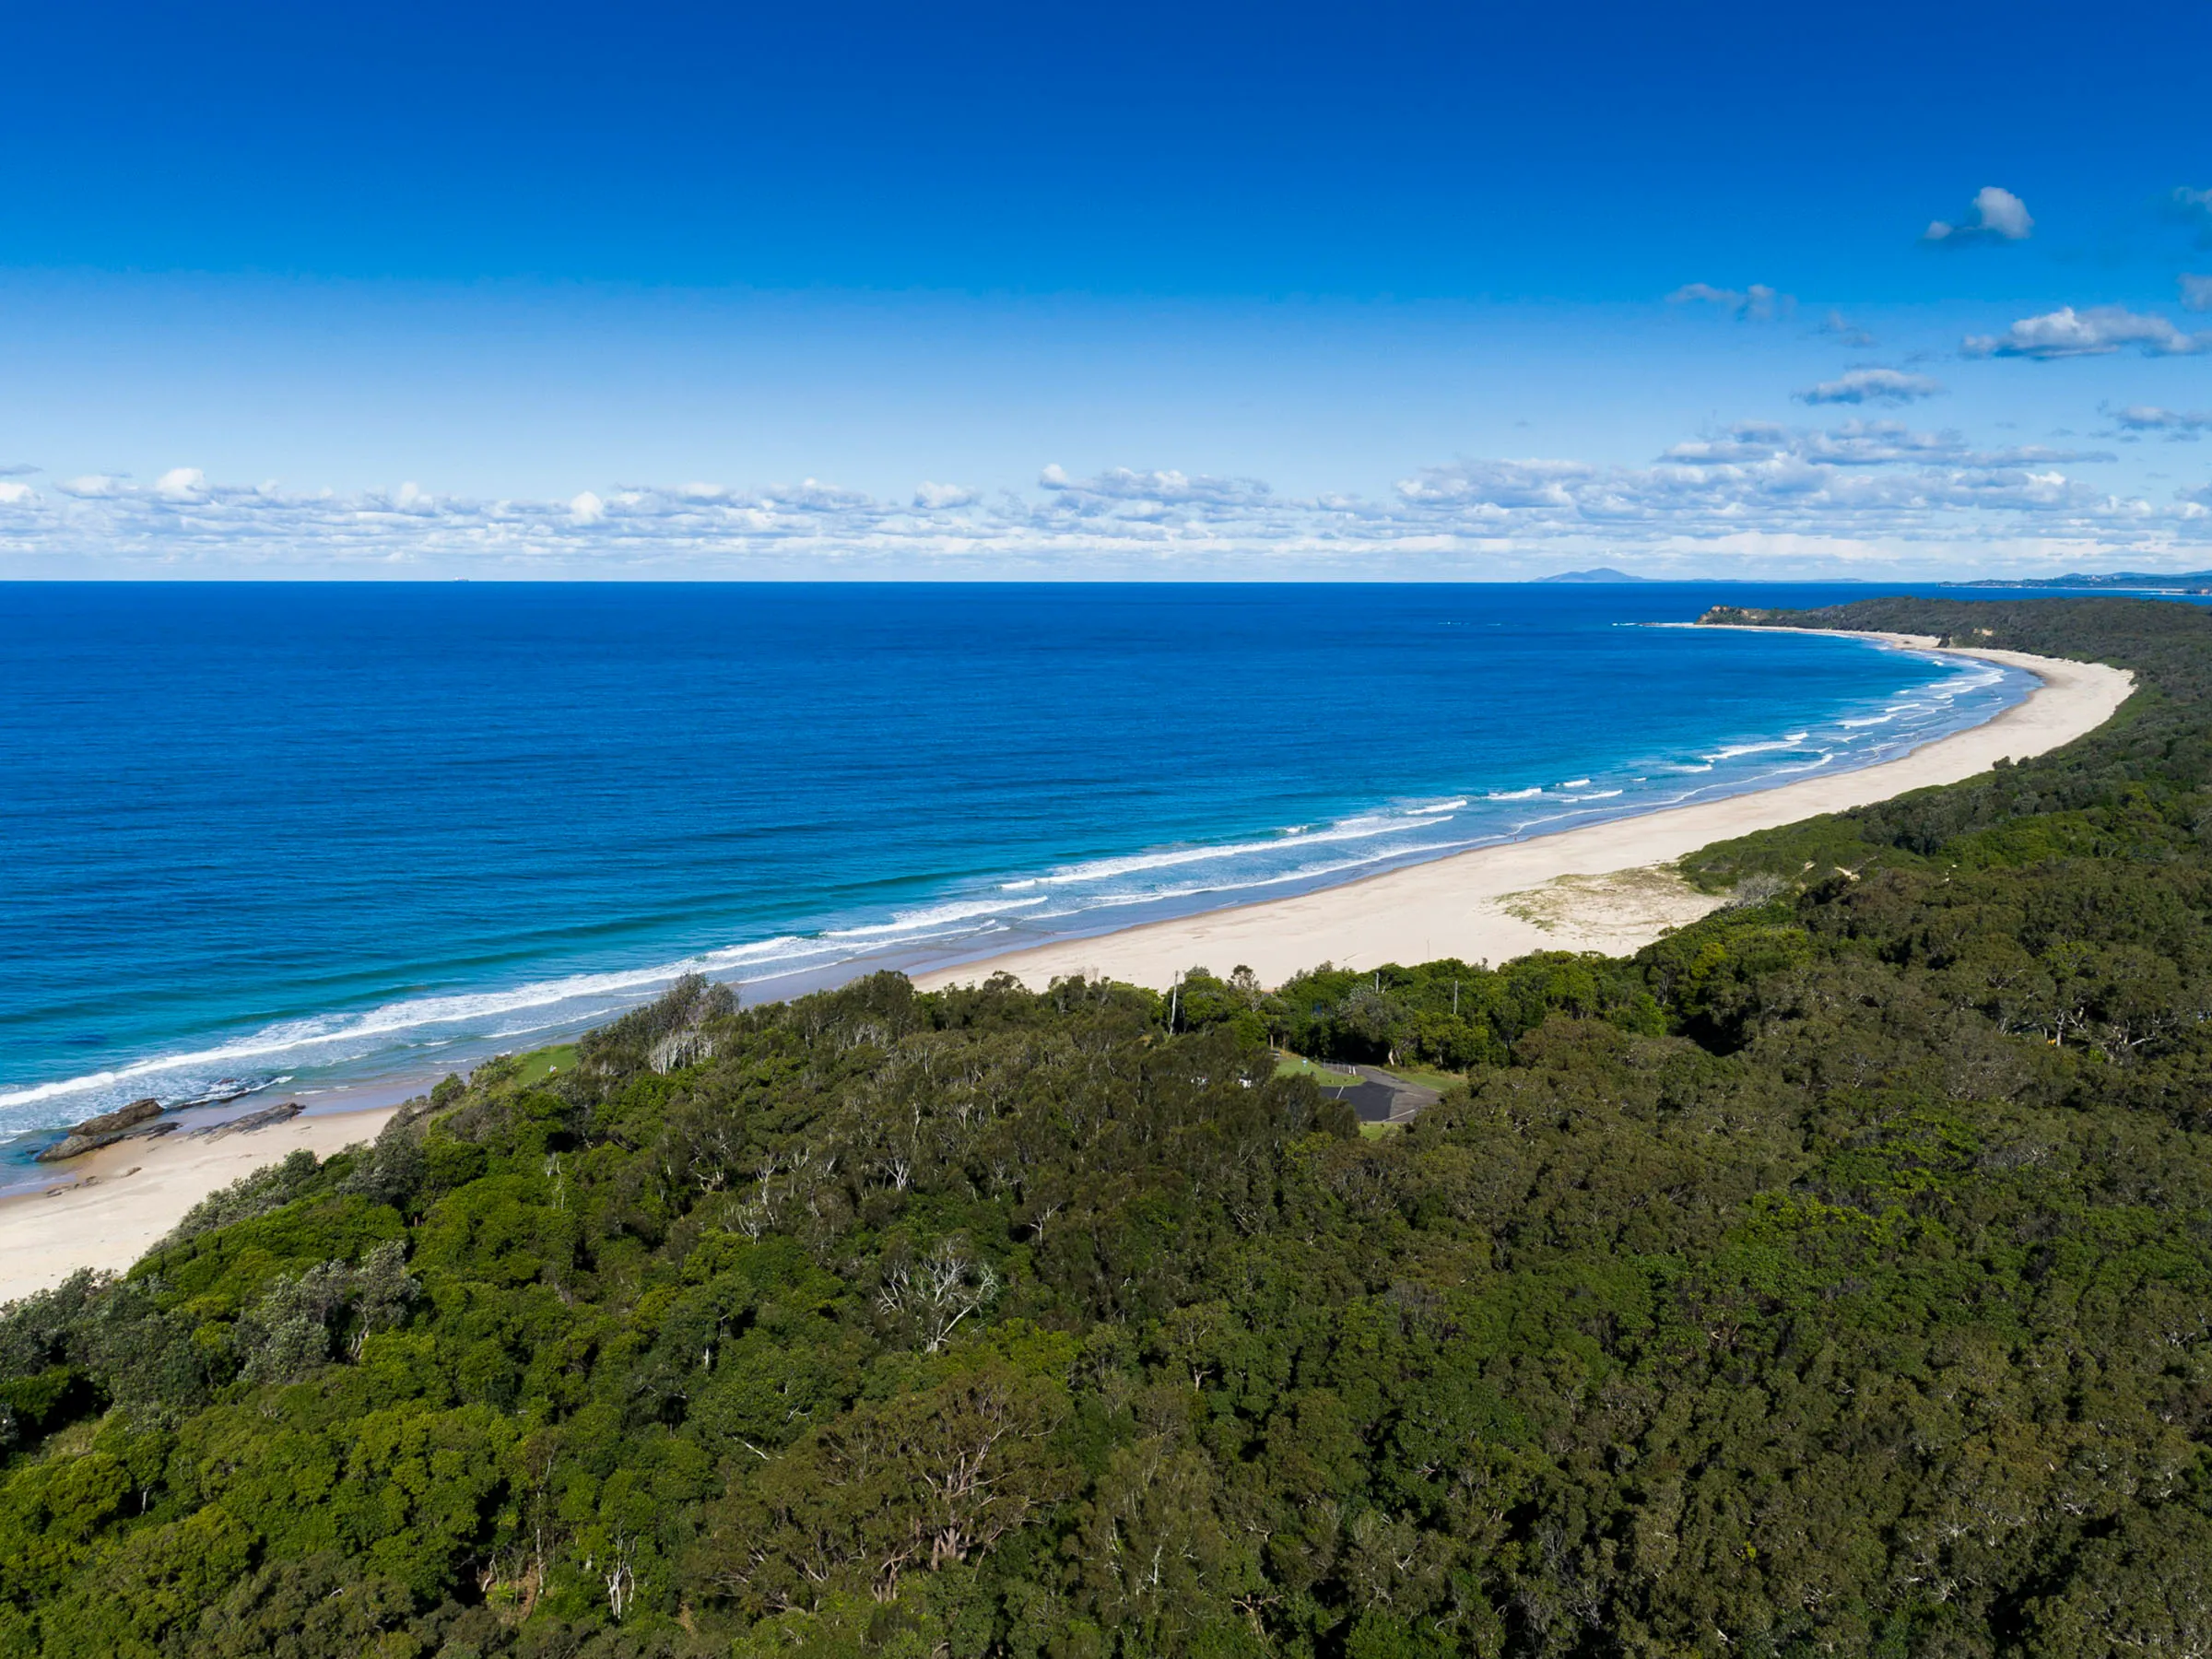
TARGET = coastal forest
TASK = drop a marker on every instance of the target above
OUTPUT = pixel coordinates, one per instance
(1832, 1278)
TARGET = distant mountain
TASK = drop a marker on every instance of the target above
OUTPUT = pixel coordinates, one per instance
(2183, 581)
(1600, 574)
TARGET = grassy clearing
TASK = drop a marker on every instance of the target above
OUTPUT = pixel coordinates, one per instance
(1291, 1065)
(538, 1066)
(1438, 1080)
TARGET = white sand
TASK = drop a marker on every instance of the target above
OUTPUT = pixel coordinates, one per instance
(120, 1200)
(1496, 904)
(1604, 887)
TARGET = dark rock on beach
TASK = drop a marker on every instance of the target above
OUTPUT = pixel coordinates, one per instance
(121, 1118)
(253, 1119)
(78, 1143)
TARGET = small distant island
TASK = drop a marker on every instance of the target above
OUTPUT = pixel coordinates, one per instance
(1603, 574)
(2183, 581)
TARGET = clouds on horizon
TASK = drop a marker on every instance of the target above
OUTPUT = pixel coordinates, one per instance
(1865, 490)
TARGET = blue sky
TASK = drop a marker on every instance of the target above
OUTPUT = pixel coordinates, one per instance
(1202, 290)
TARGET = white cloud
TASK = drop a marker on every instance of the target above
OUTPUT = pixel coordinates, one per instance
(2196, 291)
(1857, 490)
(13, 494)
(1757, 303)
(1995, 215)
(1872, 385)
(93, 486)
(2101, 329)
(811, 495)
(180, 484)
(940, 498)
(1498, 484)
(16, 469)
(2181, 424)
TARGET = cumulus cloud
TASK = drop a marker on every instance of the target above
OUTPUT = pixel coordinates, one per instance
(943, 498)
(1129, 498)
(13, 494)
(1862, 478)
(1872, 385)
(2183, 425)
(1499, 484)
(2100, 330)
(2196, 291)
(1995, 215)
(1757, 303)
(1857, 484)
(181, 484)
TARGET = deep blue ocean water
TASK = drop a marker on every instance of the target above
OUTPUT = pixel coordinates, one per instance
(311, 836)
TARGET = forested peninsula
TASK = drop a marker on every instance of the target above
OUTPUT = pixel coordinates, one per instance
(1833, 1277)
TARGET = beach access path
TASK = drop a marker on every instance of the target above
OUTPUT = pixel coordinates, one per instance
(1605, 887)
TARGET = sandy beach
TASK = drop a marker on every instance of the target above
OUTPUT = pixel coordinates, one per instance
(116, 1202)
(1604, 887)
(1607, 888)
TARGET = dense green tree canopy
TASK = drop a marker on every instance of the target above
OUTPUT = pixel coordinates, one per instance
(1835, 1277)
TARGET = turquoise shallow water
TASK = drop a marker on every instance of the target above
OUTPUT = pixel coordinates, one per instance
(316, 836)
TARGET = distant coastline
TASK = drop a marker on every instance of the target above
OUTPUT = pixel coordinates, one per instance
(2186, 582)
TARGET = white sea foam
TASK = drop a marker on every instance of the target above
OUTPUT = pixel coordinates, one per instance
(323, 1038)
(1602, 794)
(1512, 795)
(927, 921)
(1576, 783)
(1265, 879)
(1103, 869)
(1736, 751)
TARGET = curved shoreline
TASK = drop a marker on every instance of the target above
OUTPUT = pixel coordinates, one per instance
(1458, 906)
(107, 1208)
(403, 1038)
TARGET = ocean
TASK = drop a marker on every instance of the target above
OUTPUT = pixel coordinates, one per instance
(333, 839)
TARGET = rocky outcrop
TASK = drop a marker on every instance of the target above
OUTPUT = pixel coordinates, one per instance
(121, 1118)
(253, 1119)
(138, 1121)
